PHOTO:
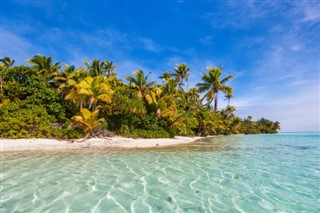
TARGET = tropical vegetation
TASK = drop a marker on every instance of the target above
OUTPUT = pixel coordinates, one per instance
(52, 99)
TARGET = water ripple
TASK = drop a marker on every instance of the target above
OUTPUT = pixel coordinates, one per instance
(226, 174)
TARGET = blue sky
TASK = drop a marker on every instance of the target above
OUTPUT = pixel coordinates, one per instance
(272, 47)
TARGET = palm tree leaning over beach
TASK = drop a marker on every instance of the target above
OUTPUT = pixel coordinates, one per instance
(212, 85)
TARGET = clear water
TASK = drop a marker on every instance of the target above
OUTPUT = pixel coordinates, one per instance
(258, 173)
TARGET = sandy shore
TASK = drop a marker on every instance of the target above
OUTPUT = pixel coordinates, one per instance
(93, 143)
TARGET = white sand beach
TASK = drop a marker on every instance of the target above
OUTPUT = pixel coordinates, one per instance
(93, 143)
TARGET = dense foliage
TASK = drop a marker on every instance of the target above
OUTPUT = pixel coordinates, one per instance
(52, 100)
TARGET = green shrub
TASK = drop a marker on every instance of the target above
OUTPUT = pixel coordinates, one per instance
(142, 133)
(25, 83)
(187, 126)
(21, 120)
(74, 133)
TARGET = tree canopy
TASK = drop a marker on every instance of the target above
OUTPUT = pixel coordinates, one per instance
(52, 99)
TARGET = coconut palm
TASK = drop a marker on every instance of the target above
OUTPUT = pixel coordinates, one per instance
(69, 79)
(62, 76)
(94, 89)
(87, 121)
(164, 105)
(276, 126)
(114, 82)
(181, 73)
(109, 67)
(165, 76)
(170, 86)
(96, 67)
(44, 65)
(192, 97)
(140, 83)
(212, 85)
(228, 96)
(6, 63)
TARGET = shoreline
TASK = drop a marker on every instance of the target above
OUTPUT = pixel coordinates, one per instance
(43, 144)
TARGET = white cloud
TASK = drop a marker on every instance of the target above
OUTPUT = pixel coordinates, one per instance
(148, 44)
(311, 11)
(15, 47)
(296, 47)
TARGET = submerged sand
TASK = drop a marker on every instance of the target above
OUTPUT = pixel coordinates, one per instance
(93, 143)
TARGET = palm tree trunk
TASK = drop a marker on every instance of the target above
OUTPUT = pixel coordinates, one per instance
(91, 102)
(228, 101)
(216, 102)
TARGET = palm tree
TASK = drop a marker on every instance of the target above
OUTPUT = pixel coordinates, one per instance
(87, 121)
(108, 65)
(68, 69)
(170, 86)
(276, 126)
(94, 89)
(230, 111)
(192, 97)
(228, 96)
(140, 83)
(70, 78)
(182, 73)
(96, 67)
(212, 85)
(165, 76)
(44, 65)
(164, 105)
(7, 62)
(4, 67)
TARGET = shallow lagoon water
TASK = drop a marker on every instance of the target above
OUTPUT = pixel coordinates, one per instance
(254, 173)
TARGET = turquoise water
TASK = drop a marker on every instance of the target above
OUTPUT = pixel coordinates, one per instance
(258, 173)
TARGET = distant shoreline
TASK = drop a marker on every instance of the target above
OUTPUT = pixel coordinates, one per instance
(42, 144)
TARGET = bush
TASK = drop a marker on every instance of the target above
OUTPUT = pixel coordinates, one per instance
(19, 119)
(186, 126)
(142, 133)
(28, 85)
(22, 120)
